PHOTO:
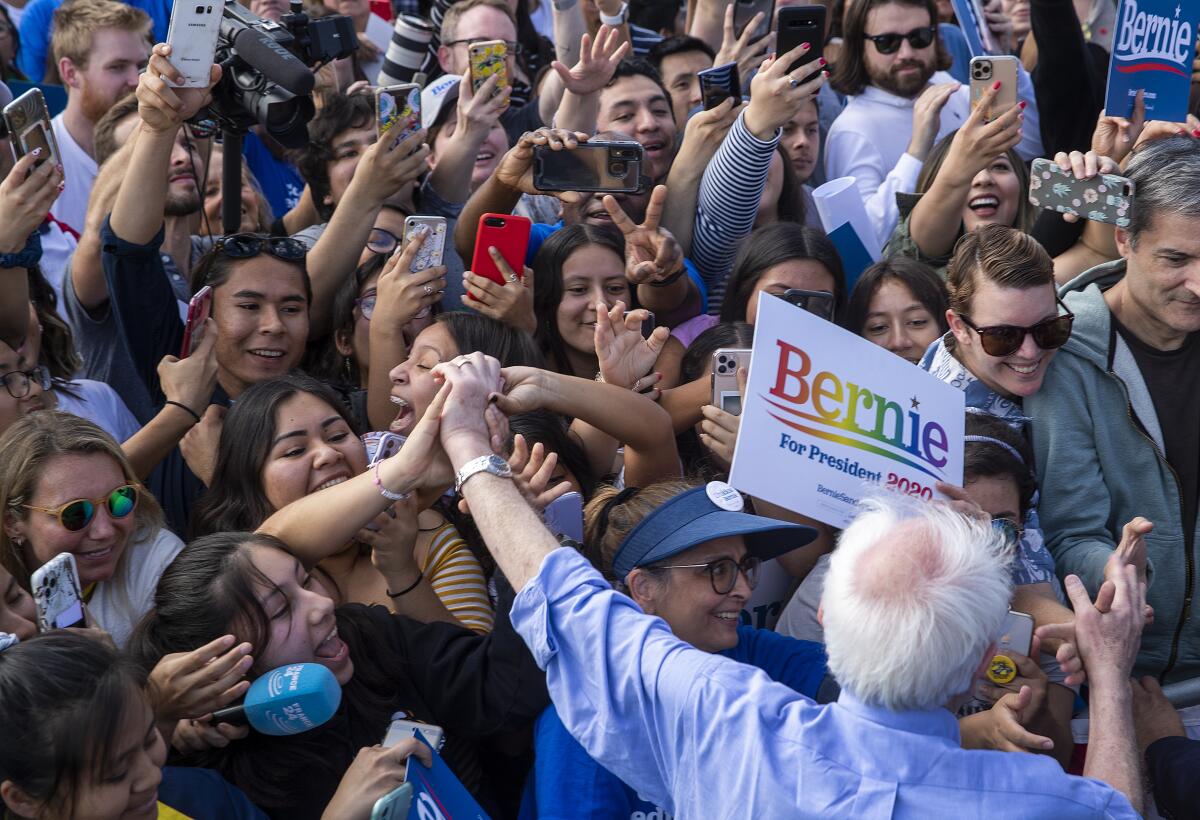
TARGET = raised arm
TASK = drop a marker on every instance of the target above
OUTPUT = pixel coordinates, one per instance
(581, 82)
(24, 203)
(475, 116)
(87, 269)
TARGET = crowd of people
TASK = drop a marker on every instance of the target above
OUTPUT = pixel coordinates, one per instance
(551, 572)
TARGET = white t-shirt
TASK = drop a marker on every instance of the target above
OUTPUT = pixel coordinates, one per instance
(99, 403)
(79, 171)
(121, 601)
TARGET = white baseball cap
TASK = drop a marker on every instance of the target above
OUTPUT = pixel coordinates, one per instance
(436, 95)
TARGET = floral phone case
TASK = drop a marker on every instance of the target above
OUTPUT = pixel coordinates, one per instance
(1103, 198)
(488, 58)
(434, 248)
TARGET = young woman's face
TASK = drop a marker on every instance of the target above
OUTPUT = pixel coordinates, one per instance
(805, 274)
(687, 602)
(357, 344)
(995, 196)
(18, 614)
(1021, 373)
(314, 448)
(12, 366)
(413, 387)
(126, 787)
(98, 547)
(300, 613)
(590, 275)
(897, 321)
(261, 312)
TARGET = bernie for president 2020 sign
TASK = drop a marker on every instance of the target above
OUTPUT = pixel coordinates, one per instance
(1153, 49)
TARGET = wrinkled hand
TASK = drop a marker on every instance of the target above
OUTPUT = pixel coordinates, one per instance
(191, 381)
(1153, 715)
(747, 53)
(775, 94)
(597, 62)
(402, 294)
(978, 142)
(719, 429)
(626, 358)
(191, 684)
(1002, 727)
(384, 170)
(199, 445)
(516, 167)
(651, 252)
(201, 734)
(161, 107)
(510, 303)
(375, 772)
(927, 118)
(1108, 633)
(1115, 136)
(25, 198)
(468, 414)
(1029, 675)
(1132, 550)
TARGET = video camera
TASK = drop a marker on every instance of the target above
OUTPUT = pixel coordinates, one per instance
(267, 69)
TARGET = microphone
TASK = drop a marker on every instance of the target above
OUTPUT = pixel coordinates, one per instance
(287, 701)
(273, 60)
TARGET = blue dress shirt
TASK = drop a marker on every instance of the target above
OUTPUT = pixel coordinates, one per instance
(707, 737)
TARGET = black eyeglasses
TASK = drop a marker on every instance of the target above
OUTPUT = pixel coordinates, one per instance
(382, 241)
(17, 382)
(723, 572)
(889, 43)
(366, 305)
(249, 245)
(816, 302)
(513, 48)
(1004, 340)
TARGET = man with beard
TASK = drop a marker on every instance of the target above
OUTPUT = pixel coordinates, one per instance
(100, 48)
(900, 102)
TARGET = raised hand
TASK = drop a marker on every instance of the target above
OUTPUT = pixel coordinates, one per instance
(651, 252)
(516, 167)
(719, 429)
(510, 303)
(191, 381)
(161, 107)
(598, 61)
(626, 358)
(375, 772)
(1108, 632)
(1115, 136)
(1002, 727)
(532, 471)
(775, 94)
(402, 295)
(392, 540)
(384, 170)
(479, 111)
(747, 53)
(1132, 549)
(25, 198)
(199, 445)
(927, 118)
(978, 141)
(190, 684)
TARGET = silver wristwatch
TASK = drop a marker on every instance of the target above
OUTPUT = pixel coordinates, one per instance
(484, 464)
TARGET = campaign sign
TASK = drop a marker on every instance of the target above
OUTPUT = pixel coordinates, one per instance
(438, 794)
(971, 20)
(828, 414)
(1153, 48)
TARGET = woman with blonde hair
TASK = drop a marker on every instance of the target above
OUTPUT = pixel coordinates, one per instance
(66, 486)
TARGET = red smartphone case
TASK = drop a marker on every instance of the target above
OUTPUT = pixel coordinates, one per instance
(506, 233)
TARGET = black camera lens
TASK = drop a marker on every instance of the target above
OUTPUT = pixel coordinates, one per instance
(199, 9)
(618, 169)
(494, 222)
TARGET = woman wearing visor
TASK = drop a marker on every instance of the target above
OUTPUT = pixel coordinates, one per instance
(691, 556)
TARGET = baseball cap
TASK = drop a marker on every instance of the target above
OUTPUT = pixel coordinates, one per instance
(704, 514)
(436, 96)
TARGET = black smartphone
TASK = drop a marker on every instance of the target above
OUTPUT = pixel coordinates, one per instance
(602, 166)
(718, 84)
(798, 25)
(816, 302)
(744, 11)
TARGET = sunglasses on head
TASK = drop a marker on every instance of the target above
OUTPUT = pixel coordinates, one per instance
(1004, 340)
(723, 572)
(249, 245)
(889, 43)
(76, 515)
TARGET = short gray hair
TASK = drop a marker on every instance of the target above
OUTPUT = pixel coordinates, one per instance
(915, 594)
(1166, 178)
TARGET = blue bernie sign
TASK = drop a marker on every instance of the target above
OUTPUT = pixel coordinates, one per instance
(1153, 48)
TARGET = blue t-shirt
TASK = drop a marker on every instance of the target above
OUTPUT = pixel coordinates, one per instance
(202, 794)
(37, 19)
(566, 784)
(279, 180)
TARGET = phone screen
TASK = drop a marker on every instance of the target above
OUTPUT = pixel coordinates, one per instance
(399, 112)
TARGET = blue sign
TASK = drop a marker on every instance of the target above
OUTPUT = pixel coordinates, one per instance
(973, 23)
(1153, 48)
(438, 794)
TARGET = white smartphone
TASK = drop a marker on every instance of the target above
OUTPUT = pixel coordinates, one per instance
(564, 516)
(193, 40)
(57, 594)
(434, 249)
(1017, 635)
(381, 445)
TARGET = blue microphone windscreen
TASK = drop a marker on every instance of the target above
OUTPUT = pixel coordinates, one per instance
(292, 699)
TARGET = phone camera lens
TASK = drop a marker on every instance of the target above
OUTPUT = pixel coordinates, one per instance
(493, 222)
(618, 169)
(199, 9)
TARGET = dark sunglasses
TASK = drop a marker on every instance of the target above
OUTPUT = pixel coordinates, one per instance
(889, 43)
(1004, 340)
(249, 245)
(203, 129)
(382, 241)
(18, 382)
(1009, 530)
(76, 515)
(723, 572)
(816, 302)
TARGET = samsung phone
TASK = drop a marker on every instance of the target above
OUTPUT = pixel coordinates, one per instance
(487, 58)
(510, 236)
(719, 83)
(1102, 198)
(401, 727)
(395, 804)
(1017, 635)
(398, 111)
(798, 25)
(28, 122)
(434, 249)
(199, 309)
(57, 594)
(725, 391)
(564, 516)
(985, 71)
(600, 166)
(744, 11)
(193, 40)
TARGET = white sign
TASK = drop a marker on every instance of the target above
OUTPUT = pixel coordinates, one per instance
(827, 414)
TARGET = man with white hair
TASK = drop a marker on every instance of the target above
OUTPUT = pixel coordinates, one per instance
(914, 597)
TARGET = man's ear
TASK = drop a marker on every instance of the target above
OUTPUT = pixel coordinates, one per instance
(19, 801)
(68, 73)
(1124, 243)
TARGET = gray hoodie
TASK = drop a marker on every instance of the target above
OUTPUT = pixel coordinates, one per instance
(1100, 456)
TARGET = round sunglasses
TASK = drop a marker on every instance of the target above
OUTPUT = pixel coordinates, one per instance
(76, 515)
(889, 43)
(723, 572)
(249, 245)
(1005, 340)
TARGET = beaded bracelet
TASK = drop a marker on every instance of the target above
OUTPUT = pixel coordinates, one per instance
(384, 491)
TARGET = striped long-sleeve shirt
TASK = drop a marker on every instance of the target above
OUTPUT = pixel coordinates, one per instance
(457, 579)
(728, 203)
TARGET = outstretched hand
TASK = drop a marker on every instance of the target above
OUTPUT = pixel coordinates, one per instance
(625, 357)
(651, 252)
(598, 61)
(161, 107)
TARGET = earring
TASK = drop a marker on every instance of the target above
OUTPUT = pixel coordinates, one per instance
(347, 369)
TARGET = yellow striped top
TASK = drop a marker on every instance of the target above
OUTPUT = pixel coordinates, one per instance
(457, 579)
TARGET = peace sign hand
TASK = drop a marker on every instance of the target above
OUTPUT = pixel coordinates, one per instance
(651, 252)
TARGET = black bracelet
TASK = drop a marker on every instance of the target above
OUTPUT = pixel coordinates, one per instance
(670, 280)
(185, 409)
(407, 589)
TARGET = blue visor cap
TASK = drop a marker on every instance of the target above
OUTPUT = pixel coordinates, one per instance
(703, 514)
